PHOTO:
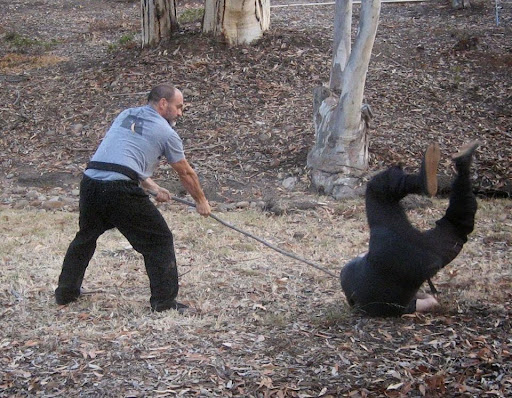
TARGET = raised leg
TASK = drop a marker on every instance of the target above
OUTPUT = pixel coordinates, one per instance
(451, 231)
(386, 189)
(462, 207)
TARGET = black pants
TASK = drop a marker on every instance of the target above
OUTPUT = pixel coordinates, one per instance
(123, 205)
(396, 246)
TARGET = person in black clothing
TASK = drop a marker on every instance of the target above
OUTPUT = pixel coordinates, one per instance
(385, 280)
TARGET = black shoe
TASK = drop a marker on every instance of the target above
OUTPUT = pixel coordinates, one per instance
(65, 296)
(464, 156)
(428, 171)
(171, 305)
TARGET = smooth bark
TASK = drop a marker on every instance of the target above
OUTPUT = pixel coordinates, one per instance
(237, 21)
(341, 120)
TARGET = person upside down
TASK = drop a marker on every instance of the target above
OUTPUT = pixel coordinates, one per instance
(385, 281)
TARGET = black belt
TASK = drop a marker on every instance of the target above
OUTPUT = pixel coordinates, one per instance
(118, 168)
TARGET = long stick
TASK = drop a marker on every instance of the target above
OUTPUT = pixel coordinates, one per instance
(277, 249)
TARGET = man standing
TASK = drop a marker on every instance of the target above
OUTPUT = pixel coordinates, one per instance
(385, 280)
(112, 196)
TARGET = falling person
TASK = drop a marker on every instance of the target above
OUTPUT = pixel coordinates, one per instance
(385, 281)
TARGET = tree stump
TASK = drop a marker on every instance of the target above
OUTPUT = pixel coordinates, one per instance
(159, 20)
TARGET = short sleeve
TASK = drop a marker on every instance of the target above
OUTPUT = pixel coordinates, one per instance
(173, 149)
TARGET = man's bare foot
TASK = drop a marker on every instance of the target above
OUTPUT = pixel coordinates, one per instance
(426, 302)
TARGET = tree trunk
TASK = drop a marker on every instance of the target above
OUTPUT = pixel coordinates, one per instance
(237, 21)
(342, 43)
(158, 20)
(340, 154)
(460, 4)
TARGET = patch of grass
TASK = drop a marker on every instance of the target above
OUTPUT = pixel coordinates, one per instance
(18, 41)
(126, 41)
(126, 38)
(250, 272)
(22, 62)
(334, 315)
(103, 26)
(244, 247)
(276, 319)
(457, 75)
(191, 15)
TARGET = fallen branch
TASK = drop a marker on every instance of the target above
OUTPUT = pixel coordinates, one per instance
(17, 98)
(128, 94)
(204, 147)
(332, 3)
(277, 249)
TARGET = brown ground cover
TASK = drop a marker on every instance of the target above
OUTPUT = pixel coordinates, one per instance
(436, 74)
(265, 325)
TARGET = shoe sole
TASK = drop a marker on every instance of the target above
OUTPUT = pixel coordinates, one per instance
(432, 158)
(178, 307)
(466, 150)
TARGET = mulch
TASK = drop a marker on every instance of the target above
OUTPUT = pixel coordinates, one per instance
(436, 74)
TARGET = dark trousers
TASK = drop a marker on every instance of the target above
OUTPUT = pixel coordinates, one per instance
(123, 205)
(396, 247)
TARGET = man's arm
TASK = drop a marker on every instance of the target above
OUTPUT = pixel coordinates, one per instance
(190, 182)
(161, 194)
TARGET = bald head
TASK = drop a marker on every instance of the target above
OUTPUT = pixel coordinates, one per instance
(167, 100)
(162, 91)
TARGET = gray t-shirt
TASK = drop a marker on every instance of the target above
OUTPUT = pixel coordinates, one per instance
(138, 138)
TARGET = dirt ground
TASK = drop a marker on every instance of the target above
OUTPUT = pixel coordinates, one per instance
(435, 74)
(266, 327)
(264, 324)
